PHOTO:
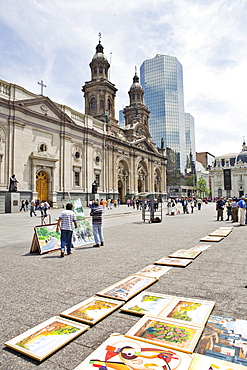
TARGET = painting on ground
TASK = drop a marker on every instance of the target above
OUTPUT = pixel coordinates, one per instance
(185, 253)
(121, 353)
(211, 238)
(154, 271)
(201, 362)
(166, 332)
(225, 338)
(147, 303)
(83, 234)
(47, 237)
(44, 339)
(92, 310)
(127, 288)
(200, 248)
(179, 262)
(190, 310)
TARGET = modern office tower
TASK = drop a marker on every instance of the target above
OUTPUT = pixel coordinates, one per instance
(190, 142)
(162, 81)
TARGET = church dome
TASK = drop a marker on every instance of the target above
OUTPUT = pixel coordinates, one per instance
(99, 52)
(242, 156)
(136, 84)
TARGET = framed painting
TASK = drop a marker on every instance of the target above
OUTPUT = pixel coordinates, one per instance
(200, 248)
(179, 262)
(147, 303)
(220, 233)
(193, 311)
(121, 353)
(226, 228)
(185, 253)
(92, 310)
(155, 271)
(44, 339)
(211, 238)
(83, 234)
(127, 288)
(166, 332)
(47, 237)
(209, 363)
(77, 207)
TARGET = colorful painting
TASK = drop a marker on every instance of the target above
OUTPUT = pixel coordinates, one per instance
(190, 310)
(47, 237)
(220, 233)
(154, 271)
(211, 238)
(201, 362)
(44, 339)
(127, 288)
(92, 310)
(83, 234)
(121, 353)
(77, 207)
(185, 253)
(147, 303)
(166, 332)
(225, 338)
(179, 262)
(200, 248)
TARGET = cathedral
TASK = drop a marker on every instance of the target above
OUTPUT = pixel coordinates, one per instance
(56, 152)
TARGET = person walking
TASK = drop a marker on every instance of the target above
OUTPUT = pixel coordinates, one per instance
(26, 205)
(242, 211)
(23, 206)
(96, 213)
(32, 208)
(65, 223)
(220, 208)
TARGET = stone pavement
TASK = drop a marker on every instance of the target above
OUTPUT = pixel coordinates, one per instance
(36, 287)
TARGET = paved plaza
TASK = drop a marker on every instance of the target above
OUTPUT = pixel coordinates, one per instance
(36, 287)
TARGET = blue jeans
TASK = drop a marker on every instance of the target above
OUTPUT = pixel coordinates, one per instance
(98, 234)
(66, 239)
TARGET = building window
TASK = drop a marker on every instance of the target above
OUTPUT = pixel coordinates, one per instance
(77, 155)
(97, 178)
(100, 70)
(219, 193)
(97, 159)
(42, 148)
(109, 105)
(102, 105)
(240, 177)
(77, 178)
(92, 105)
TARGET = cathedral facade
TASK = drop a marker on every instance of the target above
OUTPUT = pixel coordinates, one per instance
(56, 152)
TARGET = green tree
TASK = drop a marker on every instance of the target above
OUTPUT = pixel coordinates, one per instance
(201, 187)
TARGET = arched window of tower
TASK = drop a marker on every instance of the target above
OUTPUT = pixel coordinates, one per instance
(92, 103)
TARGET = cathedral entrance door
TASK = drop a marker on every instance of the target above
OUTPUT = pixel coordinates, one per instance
(120, 191)
(42, 185)
(140, 187)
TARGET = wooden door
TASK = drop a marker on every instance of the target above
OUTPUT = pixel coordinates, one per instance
(42, 185)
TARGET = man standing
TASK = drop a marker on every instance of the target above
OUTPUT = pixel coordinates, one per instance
(96, 213)
(220, 208)
(65, 222)
(242, 210)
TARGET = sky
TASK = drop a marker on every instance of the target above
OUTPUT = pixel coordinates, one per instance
(55, 40)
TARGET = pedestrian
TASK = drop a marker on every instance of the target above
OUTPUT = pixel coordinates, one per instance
(96, 213)
(46, 207)
(185, 205)
(242, 211)
(65, 222)
(23, 206)
(220, 208)
(32, 209)
(229, 209)
(191, 205)
(26, 205)
(199, 204)
(234, 207)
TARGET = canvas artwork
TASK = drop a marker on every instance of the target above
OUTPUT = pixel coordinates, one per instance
(225, 338)
(166, 332)
(48, 239)
(179, 262)
(200, 248)
(83, 234)
(211, 238)
(185, 253)
(121, 353)
(154, 271)
(127, 288)
(226, 228)
(190, 310)
(147, 303)
(77, 207)
(92, 310)
(44, 339)
(201, 362)
(220, 233)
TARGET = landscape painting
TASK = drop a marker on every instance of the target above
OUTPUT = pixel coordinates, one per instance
(211, 238)
(47, 237)
(201, 362)
(77, 207)
(147, 303)
(44, 339)
(92, 310)
(166, 332)
(200, 248)
(179, 262)
(185, 253)
(121, 353)
(224, 338)
(127, 288)
(154, 271)
(83, 234)
(190, 310)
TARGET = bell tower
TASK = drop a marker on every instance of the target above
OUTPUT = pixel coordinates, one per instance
(99, 93)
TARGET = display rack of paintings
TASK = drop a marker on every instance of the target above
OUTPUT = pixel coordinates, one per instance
(44, 339)
(147, 303)
(179, 262)
(83, 234)
(92, 309)
(201, 362)
(166, 332)
(46, 239)
(200, 248)
(223, 233)
(119, 352)
(185, 253)
(155, 271)
(191, 310)
(211, 238)
(224, 338)
(127, 288)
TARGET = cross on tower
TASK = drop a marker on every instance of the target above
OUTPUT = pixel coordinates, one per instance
(42, 86)
(100, 37)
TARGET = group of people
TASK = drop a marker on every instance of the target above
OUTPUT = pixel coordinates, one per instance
(140, 203)
(187, 204)
(235, 209)
(106, 204)
(33, 206)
